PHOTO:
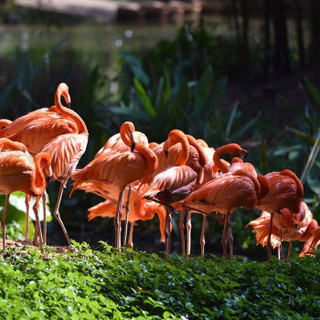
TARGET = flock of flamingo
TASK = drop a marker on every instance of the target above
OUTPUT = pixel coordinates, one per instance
(138, 179)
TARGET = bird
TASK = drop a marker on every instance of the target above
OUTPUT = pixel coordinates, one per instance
(285, 191)
(58, 131)
(174, 179)
(114, 171)
(228, 190)
(139, 210)
(19, 171)
(215, 167)
(287, 226)
(125, 140)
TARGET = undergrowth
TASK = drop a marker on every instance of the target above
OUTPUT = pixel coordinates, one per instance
(105, 284)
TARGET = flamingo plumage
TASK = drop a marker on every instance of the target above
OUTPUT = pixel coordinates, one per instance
(114, 171)
(58, 131)
(19, 171)
(285, 191)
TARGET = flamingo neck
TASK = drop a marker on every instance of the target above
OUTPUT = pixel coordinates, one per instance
(231, 148)
(150, 157)
(289, 173)
(63, 90)
(126, 133)
(177, 136)
(39, 184)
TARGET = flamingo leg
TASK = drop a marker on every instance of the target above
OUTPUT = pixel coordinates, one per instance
(269, 237)
(189, 226)
(203, 232)
(117, 220)
(26, 236)
(3, 223)
(181, 227)
(38, 227)
(230, 236)
(127, 215)
(223, 239)
(44, 200)
(57, 214)
(130, 238)
(168, 231)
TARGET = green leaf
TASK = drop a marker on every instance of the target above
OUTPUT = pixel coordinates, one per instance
(314, 91)
(203, 88)
(145, 100)
(136, 68)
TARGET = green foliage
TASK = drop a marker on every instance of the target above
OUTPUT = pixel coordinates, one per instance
(179, 84)
(86, 284)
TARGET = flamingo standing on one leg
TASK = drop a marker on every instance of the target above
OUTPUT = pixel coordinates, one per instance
(19, 171)
(57, 130)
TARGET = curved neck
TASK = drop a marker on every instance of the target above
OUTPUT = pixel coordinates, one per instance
(150, 157)
(264, 186)
(177, 136)
(63, 90)
(231, 148)
(193, 142)
(39, 184)
(126, 133)
(292, 175)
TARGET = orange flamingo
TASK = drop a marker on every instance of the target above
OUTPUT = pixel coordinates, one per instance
(123, 141)
(212, 169)
(114, 171)
(227, 191)
(285, 191)
(175, 179)
(58, 131)
(19, 171)
(287, 226)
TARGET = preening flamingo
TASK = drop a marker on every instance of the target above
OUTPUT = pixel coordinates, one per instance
(58, 131)
(287, 226)
(285, 191)
(114, 171)
(175, 180)
(19, 171)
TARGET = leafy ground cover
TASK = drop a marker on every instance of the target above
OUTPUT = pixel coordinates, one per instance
(86, 284)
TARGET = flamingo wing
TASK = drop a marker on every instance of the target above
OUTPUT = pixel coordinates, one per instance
(66, 151)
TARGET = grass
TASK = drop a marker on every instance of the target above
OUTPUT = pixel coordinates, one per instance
(87, 284)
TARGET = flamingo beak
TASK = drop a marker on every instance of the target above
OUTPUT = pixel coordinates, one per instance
(133, 145)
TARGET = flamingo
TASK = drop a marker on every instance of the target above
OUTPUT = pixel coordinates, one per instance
(125, 140)
(58, 131)
(114, 171)
(226, 192)
(214, 164)
(174, 179)
(285, 191)
(19, 171)
(287, 226)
